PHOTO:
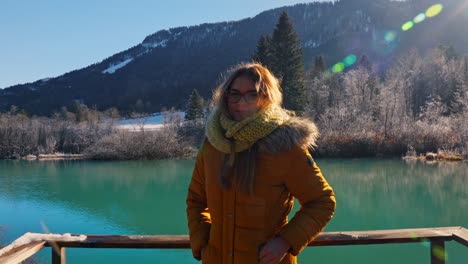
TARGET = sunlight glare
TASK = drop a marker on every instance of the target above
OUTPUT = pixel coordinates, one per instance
(439, 252)
(434, 10)
(390, 35)
(350, 60)
(419, 18)
(407, 26)
(339, 67)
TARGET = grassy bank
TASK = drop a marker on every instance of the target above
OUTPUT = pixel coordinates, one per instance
(55, 138)
(440, 155)
(94, 137)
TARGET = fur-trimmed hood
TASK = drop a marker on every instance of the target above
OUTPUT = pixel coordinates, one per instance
(299, 131)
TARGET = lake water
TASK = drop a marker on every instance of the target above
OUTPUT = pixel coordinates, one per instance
(148, 197)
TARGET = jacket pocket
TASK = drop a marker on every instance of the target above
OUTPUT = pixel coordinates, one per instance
(251, 213)
(249, 240)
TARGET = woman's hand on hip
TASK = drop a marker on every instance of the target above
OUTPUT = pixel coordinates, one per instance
(274, 251)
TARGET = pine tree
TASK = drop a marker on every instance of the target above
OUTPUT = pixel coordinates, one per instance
(288, 64)
(320, 64)
(465, 65)
(139, 106)
(319, 67)
(264, 52)
(194, 106)
(365, 63)
(449, 51)
(80, 111)
(75, 107)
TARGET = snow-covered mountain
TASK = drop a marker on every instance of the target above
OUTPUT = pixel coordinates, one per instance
(166, 66)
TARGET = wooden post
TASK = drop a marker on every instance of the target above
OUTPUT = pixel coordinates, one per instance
(58, 255)
(438, 252)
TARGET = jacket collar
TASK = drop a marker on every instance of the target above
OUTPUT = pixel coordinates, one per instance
(297, 131)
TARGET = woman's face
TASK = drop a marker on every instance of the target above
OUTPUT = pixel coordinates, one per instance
(242, 98)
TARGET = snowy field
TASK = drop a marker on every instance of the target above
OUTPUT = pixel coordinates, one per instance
(149, 123)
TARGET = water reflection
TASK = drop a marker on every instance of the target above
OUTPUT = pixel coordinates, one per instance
(148, 197)
(381, 194)
(131, 194)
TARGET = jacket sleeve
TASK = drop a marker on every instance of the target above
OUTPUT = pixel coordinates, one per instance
(198, 215)
(306, 182)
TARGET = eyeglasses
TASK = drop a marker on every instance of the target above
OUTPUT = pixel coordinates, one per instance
(235, 97)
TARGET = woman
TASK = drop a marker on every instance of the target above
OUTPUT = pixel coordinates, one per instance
(252, 164)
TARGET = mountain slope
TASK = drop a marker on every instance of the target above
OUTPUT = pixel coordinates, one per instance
(164, 69)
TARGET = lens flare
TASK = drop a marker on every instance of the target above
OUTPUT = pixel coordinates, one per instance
(419, 18)
(350, 60)
(439, 252)
(390, 35)
(407, 26)
(54, 244)
(339, 67)
(434, 10)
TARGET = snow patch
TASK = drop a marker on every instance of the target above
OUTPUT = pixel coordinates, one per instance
(176, 35)
(34, 237)
(115, 67)
(45, 79)
(227, 27)
(311, 43)
(162, 43)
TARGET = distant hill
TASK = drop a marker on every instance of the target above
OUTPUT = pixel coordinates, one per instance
(164, 69)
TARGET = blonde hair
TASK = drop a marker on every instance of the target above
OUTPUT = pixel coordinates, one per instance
(268, 87)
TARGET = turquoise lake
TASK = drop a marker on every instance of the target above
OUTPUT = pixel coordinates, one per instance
(148, 197)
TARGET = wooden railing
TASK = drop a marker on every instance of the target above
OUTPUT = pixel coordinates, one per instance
(436, 236)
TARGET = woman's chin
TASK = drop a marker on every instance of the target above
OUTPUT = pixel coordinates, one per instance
(240, 116)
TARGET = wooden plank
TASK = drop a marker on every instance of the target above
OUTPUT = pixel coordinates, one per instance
(461, 236)
(324, 239)
(136, 241)
(21, 253)
(58, 255)
(437, 236)
(438, 252)
(383, 236)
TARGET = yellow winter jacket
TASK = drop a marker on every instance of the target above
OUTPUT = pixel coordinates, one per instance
(231, 226)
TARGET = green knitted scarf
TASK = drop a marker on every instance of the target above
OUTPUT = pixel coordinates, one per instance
(231, 136)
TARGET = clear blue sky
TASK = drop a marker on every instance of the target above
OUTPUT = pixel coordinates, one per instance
(47, 38)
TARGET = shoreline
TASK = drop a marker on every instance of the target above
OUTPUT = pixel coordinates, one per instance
(410, 155)
(54, 156)
(445, 156)
(431, 158)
